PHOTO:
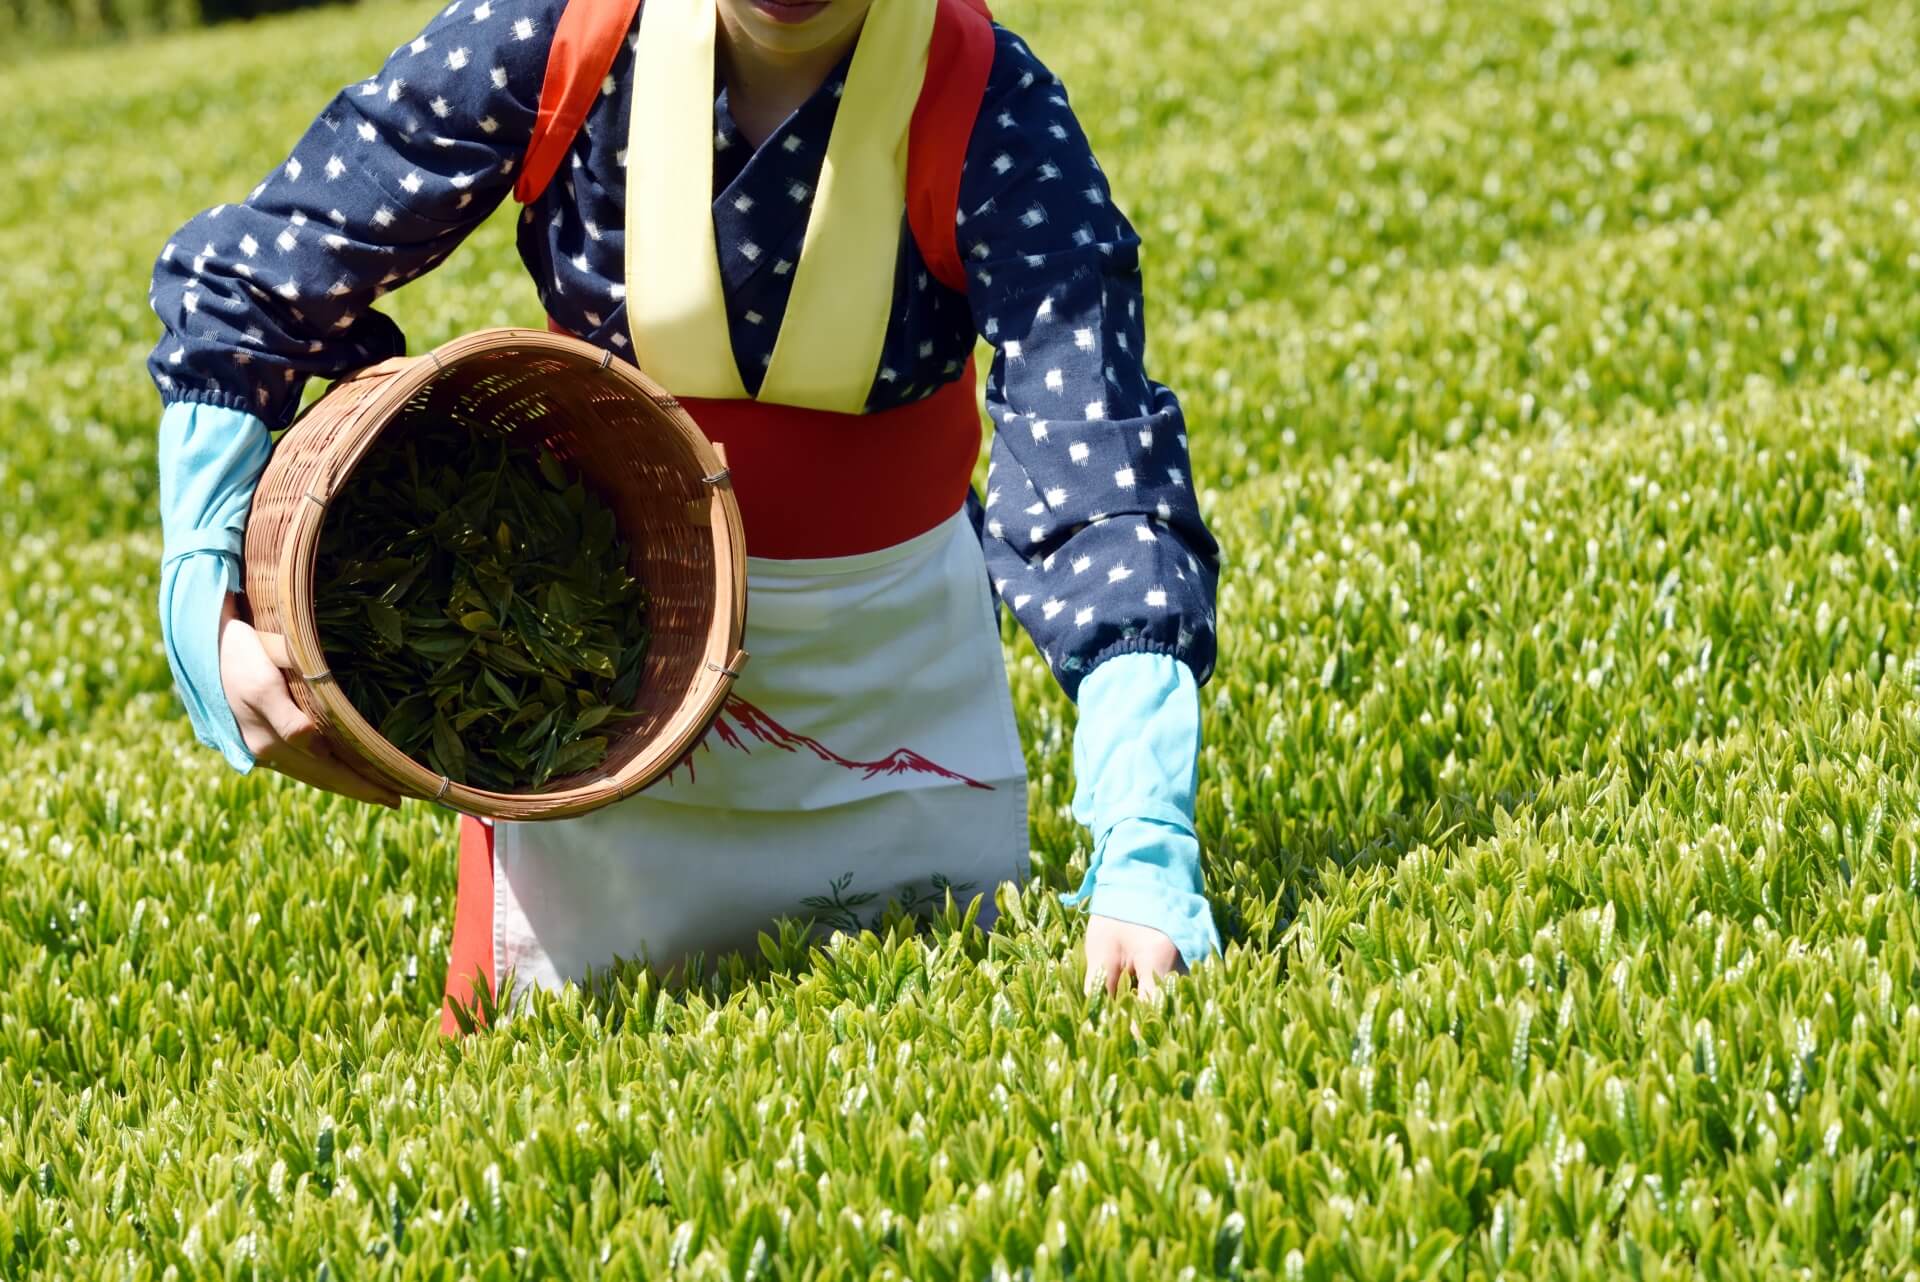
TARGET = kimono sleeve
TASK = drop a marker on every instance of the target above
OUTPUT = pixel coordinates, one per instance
(1091, 529)
(257, 296)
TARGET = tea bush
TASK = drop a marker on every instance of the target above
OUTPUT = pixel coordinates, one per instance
(33, 27)
(1550, 368)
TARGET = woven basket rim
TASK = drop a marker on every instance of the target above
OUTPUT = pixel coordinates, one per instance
(721, 658)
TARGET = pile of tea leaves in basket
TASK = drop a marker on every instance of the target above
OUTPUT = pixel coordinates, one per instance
(476, 606)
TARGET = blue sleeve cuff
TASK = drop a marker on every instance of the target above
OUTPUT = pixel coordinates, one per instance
(193, 588)
(210, 458)
(1148, 873)
(1136, 766)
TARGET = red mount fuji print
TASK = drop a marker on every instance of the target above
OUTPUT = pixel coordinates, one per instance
(742, 725)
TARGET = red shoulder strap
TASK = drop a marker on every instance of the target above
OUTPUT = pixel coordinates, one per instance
(958, 62)
(585, 42)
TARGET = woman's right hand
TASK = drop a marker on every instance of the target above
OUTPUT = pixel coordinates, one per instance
(278, 734)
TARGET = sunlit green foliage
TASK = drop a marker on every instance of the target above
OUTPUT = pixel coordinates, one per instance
(1550, 366)
(30, 28)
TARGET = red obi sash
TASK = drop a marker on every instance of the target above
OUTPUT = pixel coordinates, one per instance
(812, 483)
(817, 484)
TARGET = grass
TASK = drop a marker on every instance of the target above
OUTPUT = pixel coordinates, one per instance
(1551, 371)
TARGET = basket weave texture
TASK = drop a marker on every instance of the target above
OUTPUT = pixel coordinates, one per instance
(628, 441)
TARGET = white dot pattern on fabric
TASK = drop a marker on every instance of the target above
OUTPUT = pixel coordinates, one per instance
(1053, 282)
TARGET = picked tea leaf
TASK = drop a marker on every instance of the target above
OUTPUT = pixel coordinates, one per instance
(592, 717)
(386, 621)
(475, 603)
(550, 468)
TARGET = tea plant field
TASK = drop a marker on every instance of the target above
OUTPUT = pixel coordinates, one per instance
(1550, 367)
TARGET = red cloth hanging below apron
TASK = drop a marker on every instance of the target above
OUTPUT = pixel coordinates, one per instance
(470, 971)
(811, 484)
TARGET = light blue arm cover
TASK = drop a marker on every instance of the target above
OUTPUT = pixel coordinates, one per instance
(210, 460)
(1136, 757)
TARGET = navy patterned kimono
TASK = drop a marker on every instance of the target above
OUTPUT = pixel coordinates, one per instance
(1090, 526)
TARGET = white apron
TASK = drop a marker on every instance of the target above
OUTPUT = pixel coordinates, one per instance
(869, 752)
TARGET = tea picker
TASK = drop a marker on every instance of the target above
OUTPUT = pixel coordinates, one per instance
(797, 217)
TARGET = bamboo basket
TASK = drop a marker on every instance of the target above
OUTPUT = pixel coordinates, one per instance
(627, 439)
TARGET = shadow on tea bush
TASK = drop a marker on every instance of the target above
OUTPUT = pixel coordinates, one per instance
(228, 10)
(26, 25)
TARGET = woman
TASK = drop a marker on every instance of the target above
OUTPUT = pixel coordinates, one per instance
(833, 198)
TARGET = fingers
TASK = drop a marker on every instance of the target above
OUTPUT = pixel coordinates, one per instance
(1158, 958)
(291, 726)
(1115, 948)
(1107, 961)
(1107, 971)
(1103, 970)
(317, 766)
(277, 731)
(300, 753)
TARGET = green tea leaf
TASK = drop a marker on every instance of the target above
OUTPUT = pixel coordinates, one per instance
(579, 755)
(386, 621)
(448, 752)
(592, 717)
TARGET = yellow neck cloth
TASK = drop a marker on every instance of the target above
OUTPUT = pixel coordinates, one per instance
(828, 348)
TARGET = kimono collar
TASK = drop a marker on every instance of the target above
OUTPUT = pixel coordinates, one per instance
(830, 339)
(733, 154)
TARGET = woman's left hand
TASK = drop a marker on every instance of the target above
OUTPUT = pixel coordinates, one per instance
(1116, 948)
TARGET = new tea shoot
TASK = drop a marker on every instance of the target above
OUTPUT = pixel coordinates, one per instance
(476, 605)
